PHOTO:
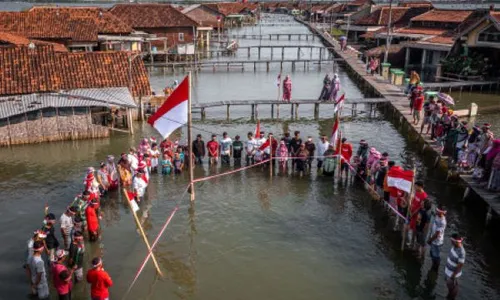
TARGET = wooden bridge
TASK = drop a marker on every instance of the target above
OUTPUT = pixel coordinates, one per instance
(322, 51)
(294, 106)
(276, 36)
(240, 64)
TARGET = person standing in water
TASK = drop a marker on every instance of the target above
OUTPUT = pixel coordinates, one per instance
(321, 149)
(454, 265)
(237, 150)
(199, 149)
(226, 145)
(437, 236)
(99, 281)
(213, 150)
(75, 255)
(36, 270)
(67, 225)
(287, 89)
(295, 146)
(250, 149)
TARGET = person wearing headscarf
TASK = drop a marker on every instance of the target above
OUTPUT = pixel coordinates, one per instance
(144, 146)
(112, 172)
(325, 92)
(282, 154)
(334, 88)
(375, 166)
(329, 162)
(287, 89)
(362, 158)
(472, 151)
(484, 143)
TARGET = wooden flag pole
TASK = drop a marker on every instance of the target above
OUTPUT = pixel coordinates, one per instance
(143, 234)
(271, 156)
(190, 143)
(408, 212)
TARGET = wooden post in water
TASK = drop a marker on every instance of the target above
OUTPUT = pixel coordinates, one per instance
(291, 110)
(282, 53)
(253, 111)
(259, 51)
(254, 66)
(257, 111)
(298, 53)
(272, 111)
(289, 37)
(267, 66)
(141, 230)
(296, 111)
(248, 51)
(203, 113)
(272, 52)
(227, 111)
(277, 111)
(316, 111)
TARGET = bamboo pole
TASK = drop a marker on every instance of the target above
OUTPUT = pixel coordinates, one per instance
(271, 156)
(408, 212)
(143, 234)
(190, 142)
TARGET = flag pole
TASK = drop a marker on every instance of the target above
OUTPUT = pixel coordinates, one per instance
(271, 156)
(143, 234)
(190, 142)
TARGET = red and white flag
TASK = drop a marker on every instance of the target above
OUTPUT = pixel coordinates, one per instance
(278, 81)
(257, 129)
(335, 130)
(174, 111)
(339, 103)
(400, 179)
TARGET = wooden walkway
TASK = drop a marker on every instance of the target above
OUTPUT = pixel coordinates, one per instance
(275, 36)
(294, 105)
(394, 95)
(240, 64)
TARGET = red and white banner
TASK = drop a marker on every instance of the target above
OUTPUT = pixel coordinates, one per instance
(174, 111)
(339, 103)
(335, 130)
(257, 129)
(400, 179)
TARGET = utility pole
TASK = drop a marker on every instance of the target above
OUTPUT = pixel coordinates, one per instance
(389, 36)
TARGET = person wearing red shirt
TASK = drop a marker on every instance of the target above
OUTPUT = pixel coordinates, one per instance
(416, 205)
(99, 280)
(213, 150)
(346, 152)
(92, 220)
(418, 104)
(61, 276)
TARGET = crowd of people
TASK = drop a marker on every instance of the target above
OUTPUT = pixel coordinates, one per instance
(471, 149)
(423, 226)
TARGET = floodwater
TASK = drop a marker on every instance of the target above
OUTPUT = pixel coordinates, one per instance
(247, 236)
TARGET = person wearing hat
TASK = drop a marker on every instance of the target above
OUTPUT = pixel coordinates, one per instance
(213, 150)
(66, 221)
(62, 286)
(140, 184)
(454, 265)
(51, 242)
(437, 236)
(112, 172)
(99, 280)
(92, 220)
(226, 144)
(199, 149)
(133, 159)
(75, 255)
(237, 150)
(36, 271)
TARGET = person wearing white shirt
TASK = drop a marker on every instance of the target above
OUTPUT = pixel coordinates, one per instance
(139, 184)
(261, 140)
(437, 236)
(321, 149)
(226, 145)
(133, 160)
(66, 221)
(251, 145)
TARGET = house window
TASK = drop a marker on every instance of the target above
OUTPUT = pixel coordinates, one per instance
(489, 35)
(181, 37)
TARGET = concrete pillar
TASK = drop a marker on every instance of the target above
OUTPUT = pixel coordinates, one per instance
(407, 58)
(424, 57)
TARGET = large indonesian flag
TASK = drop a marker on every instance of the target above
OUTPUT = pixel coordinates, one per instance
(174, 111)
(400, 179)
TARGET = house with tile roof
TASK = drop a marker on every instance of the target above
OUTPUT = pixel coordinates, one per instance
(162, 20)
(10, 40)
(378, 20)
(432, 37)
(205, 15)
(479, 46)
(77, 28)
(47, 95)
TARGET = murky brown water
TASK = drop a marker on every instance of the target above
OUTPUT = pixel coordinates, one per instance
(246, 237)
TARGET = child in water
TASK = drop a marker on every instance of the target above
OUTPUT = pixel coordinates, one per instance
(178, 163)
(166, 164)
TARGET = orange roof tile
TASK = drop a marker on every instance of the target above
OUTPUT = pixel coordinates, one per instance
(400, 15)
(26, 71)
(19, 40)
(449, 16)
(106, 22)
(422, 31)
(152, 16)
(495, 15)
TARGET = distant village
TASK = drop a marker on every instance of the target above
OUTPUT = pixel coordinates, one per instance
(73, 72)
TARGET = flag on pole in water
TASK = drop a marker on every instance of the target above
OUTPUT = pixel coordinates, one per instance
(257, 129)
(339, 103)
(174, 111)
(400, 179)
(278, 81)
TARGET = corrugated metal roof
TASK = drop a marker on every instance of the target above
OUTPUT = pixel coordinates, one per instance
(105, 97)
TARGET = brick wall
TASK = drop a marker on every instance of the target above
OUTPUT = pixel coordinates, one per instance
(47, 129)
(172, 35)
